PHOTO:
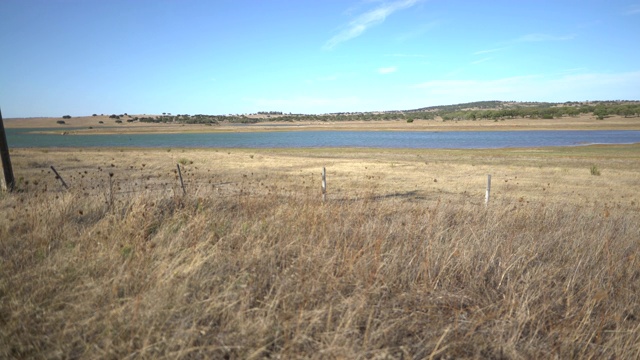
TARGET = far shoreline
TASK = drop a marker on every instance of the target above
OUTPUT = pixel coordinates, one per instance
(91, 125)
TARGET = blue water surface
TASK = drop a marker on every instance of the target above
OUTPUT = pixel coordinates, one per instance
(24, 138)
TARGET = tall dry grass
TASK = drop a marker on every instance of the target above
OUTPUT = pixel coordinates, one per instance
(282, 275)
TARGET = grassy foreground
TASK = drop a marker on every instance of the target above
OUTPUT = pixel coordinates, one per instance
(402, 261)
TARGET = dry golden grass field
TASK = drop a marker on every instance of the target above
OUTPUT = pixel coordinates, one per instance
(402, 261)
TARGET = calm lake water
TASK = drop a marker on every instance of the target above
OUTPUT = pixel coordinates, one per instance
(20, 138)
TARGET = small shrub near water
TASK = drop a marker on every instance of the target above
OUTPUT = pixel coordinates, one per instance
(595, 171)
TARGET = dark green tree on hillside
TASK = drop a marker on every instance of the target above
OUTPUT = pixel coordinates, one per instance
(600, 112)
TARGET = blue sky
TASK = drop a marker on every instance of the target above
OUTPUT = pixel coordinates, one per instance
(80, 57)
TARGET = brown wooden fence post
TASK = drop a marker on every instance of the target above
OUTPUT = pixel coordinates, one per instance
(59, 178)
(184, 192)
(9, 180)
(110, 189)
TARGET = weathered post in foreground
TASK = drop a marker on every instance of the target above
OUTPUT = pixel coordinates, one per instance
(59, 178)
(110, 189)
(184, 192)
(488, 194)
(9, 180)
(324, 184)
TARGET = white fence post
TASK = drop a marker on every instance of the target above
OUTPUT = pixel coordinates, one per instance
(488, 194)
(324, 184)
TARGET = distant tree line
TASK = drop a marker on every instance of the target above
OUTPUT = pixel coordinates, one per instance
(600, 110)
(183, 119)
(482, 110)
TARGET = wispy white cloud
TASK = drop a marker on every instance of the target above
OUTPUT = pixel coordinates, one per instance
(387, 70)
(407, 55)
(540, 37)
(481, 60)
(419, 31)
(633, 10)
(488, 51)
(368, 19)
(566, 87)
(485, 58)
